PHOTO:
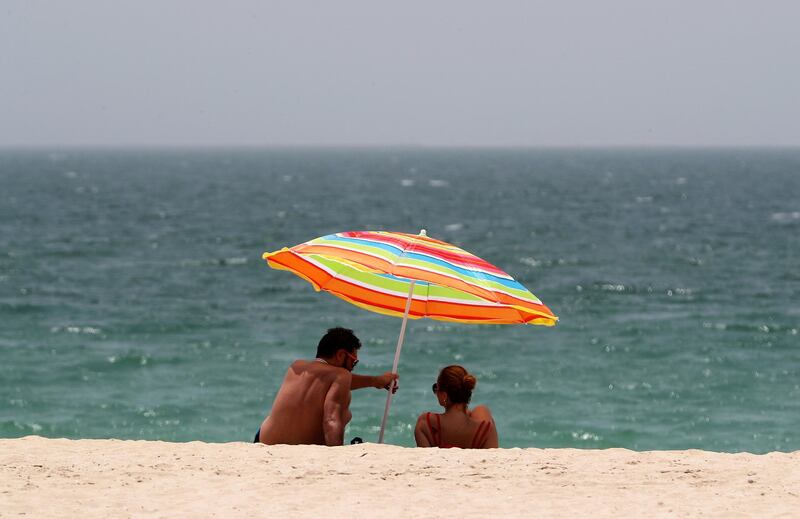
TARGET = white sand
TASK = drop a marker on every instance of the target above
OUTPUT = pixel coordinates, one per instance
(112, 478)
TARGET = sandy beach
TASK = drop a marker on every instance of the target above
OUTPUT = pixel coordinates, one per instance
(42, 477)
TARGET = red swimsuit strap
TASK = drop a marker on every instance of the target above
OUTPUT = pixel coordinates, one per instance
(481, 434)
(430, 428)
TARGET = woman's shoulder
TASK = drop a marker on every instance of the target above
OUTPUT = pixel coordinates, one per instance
(481, 413)
(429, 420)
(427, 416)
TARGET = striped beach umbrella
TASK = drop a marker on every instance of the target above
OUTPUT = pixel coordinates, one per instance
(411, 276)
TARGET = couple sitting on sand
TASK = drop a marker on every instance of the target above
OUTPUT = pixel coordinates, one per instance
(313, 403)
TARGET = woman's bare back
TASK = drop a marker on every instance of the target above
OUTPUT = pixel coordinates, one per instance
(474, 429)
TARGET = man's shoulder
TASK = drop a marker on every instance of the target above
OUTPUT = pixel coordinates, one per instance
(298, 366)
(321, 369)
(342, 375)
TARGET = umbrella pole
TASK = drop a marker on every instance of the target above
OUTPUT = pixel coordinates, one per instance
(396, 359)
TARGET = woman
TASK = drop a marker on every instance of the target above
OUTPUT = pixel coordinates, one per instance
(457, 426)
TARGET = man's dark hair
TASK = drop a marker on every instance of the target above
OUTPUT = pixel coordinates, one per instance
(337, 339)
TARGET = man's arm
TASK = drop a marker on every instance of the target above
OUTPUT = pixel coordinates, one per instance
(335, 408)
(378, 381)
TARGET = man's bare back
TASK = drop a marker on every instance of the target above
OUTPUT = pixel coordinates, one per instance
(313, 404)
(311, 407)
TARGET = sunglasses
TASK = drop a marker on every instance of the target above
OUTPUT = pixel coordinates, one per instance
(435, 387)
(353, 358)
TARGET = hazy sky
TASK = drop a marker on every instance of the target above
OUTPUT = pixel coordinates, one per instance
(525, 73)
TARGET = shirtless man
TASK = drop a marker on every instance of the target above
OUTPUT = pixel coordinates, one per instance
(313, 403)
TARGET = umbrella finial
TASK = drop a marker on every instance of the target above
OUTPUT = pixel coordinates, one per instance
(423, 232)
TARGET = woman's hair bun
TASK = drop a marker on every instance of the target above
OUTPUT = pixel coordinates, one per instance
(469, 382)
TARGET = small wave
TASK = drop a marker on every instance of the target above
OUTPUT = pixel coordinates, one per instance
(454, 227)
(586, 436)
(88, 330)
(715, 326)
(536, 262)
(785, 218)
(126, 360)
(620, 288)
(438, 328)
(234, 261)
(762, 328)
(214, 262)
(407, 182)
(438, 183)
(680, 291)
(612, 287)
(87, 189)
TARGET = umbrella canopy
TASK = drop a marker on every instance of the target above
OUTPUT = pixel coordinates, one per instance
(412, 276)
(376, 270)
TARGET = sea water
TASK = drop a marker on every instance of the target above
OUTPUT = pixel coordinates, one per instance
(134, 302)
